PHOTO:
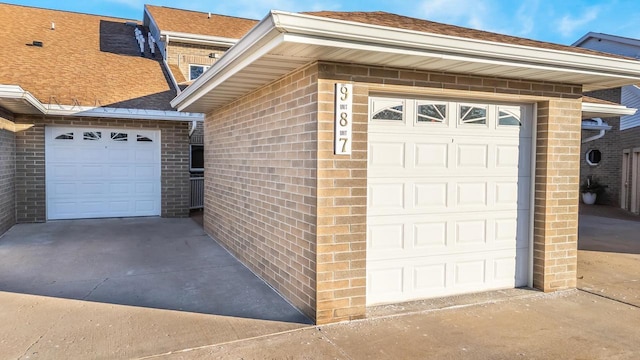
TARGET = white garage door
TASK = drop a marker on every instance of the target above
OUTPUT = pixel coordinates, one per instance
(449, 189)
(96, 173)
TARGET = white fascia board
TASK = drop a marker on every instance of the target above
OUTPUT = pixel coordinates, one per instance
(16, 92)
(258, 42)
(199, 39)
(607, 110)
(467, 48)
(123, 113)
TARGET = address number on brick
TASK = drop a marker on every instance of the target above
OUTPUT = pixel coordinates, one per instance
(343, 119)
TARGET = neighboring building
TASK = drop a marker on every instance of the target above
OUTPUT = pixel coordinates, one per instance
(190, 42)
(86, 127)
(463, 171)
(618, 151)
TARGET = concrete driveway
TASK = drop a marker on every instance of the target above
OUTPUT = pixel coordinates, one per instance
(599, 322)
(146, 262)
(609, 253)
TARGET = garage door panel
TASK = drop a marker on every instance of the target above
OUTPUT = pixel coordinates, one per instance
(423, 278)
(431, 156)
(387, 196)
(101, 173)
(472, 156)
(412, 236)
(430, 236)
(449, 204)
(387, 155)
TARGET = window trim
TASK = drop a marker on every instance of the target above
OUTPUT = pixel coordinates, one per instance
(204, 68)
(191, 168)
(586, 157)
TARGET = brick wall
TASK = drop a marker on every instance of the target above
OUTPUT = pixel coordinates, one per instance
(556, 195)
(181, 55)
(30, 162)
(7, 172)
(260, 188)
(342, 180)
(609, 170)
(278, 198)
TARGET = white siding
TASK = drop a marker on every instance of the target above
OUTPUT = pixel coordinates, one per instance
(631, 99)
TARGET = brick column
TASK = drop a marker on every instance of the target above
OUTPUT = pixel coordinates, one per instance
(342, 213)
(557, 192)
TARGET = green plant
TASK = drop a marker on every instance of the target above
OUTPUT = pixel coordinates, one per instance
(591, 185)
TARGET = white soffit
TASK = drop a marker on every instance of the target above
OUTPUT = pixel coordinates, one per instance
(283, 42)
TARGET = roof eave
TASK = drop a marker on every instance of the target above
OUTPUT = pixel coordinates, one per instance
(319, 31)
(591, 110)
(19, 101)
(198, 39)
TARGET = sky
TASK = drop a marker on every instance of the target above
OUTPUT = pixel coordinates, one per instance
(559, 21)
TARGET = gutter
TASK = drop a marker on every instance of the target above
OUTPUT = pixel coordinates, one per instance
(16, 92)
(199, 39)
(606, 110)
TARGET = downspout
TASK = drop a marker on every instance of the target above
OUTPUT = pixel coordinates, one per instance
(599, 125)
(194, 124)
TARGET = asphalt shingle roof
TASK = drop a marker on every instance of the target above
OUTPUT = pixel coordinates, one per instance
(194, 22)
(381, 18)
(87, 60)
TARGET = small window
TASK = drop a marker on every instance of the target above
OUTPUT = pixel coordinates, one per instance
(118, 136)
(196, 158)
(388, 110)
(143, 138)
(92, 135)
(509, 117)
(196, 70)
(65, 136)
(473, 115)
(594, 157)
(434, 113)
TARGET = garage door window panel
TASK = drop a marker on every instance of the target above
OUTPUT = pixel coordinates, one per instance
(65, 136)
(118, 136)
(92, 135)
(388, 110)
(509, 116)
(473, 115)
(431, 113)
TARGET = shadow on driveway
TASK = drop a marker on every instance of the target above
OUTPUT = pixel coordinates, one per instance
(149, 262)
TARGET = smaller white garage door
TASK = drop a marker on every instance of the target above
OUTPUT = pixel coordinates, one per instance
(97, 172)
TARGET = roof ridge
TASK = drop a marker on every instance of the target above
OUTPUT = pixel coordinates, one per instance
(200, 12)
(459, 28)
(70, 12)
